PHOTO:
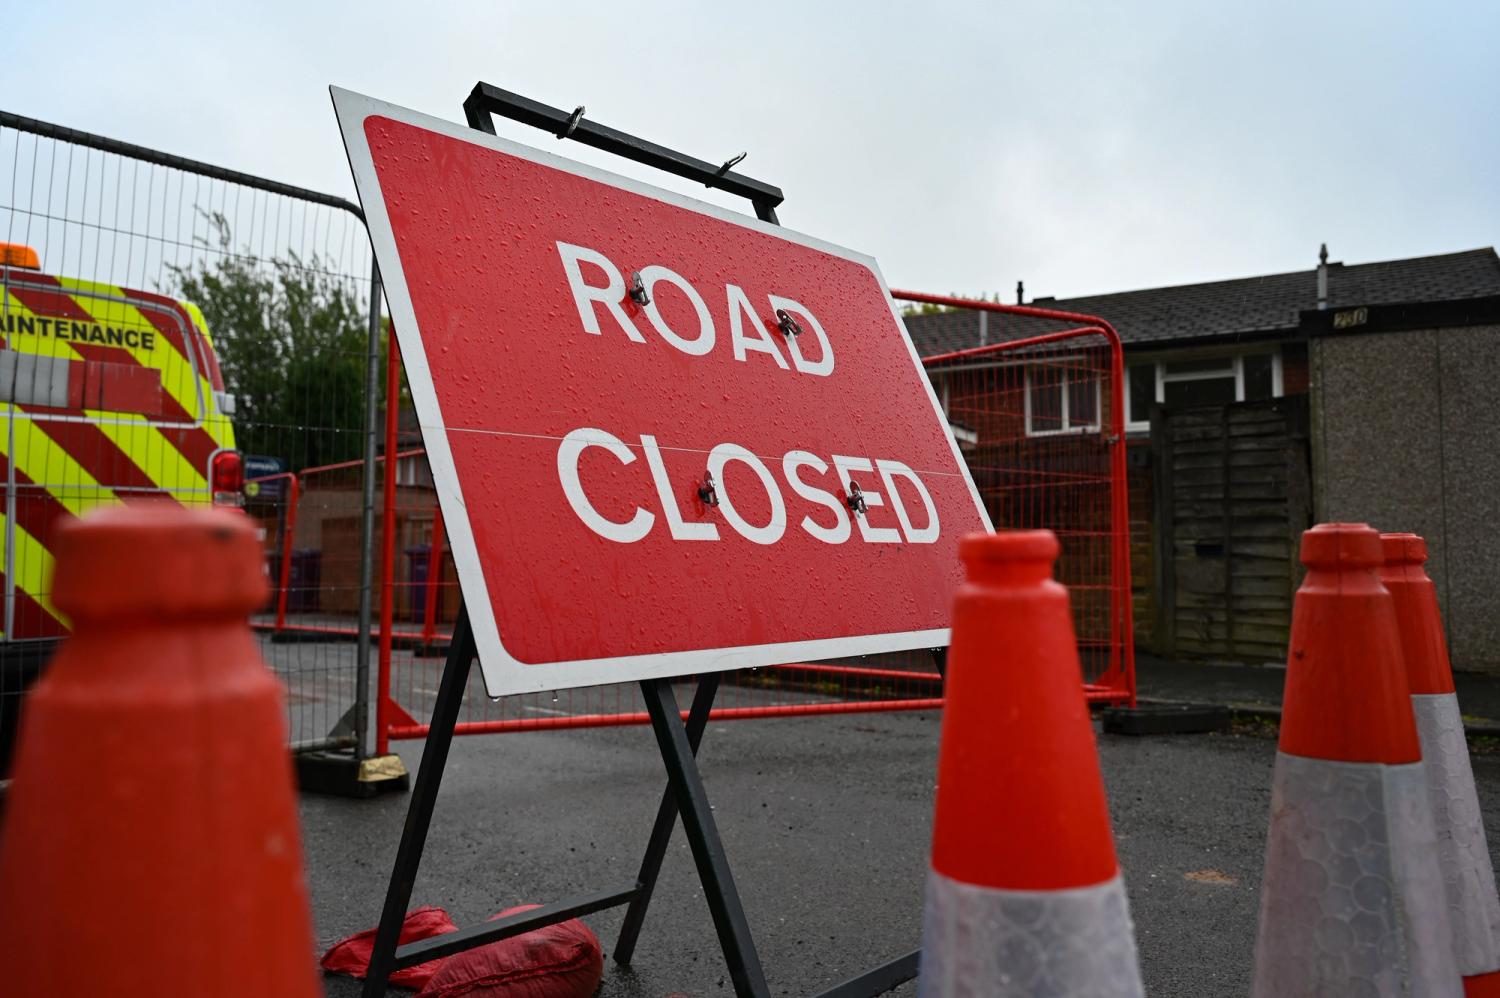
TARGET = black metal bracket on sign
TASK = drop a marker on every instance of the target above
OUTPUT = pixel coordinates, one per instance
(485, 101)
(677, 741)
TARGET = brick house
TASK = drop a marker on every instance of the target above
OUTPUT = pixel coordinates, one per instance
(1256, 406)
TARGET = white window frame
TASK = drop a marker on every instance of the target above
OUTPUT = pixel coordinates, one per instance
(1068, 428)
(1232, 364)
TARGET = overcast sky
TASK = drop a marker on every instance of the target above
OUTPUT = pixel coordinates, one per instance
(1081, 147)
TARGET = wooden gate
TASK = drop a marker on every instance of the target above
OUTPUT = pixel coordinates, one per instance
(1232, 499)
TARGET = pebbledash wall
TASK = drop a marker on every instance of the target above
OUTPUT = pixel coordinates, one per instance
(1406, 436)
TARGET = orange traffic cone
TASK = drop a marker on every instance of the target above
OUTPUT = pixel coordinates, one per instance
(150, 846)
(1463, 855)
(1025, 896)
(1352, 902)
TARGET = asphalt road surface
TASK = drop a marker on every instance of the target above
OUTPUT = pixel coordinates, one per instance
(826, 821)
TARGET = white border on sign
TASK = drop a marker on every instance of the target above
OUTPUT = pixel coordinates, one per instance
(504, 675)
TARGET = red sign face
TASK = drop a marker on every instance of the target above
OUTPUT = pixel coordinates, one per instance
(667, 438)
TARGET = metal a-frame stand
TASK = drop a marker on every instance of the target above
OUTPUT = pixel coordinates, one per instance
(678, 741)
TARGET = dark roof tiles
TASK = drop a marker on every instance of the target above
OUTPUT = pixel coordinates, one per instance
(1252, 306)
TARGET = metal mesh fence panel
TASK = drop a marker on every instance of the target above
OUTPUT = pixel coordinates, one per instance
(160, 316)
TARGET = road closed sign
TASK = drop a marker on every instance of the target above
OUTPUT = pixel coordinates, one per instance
(667, 438)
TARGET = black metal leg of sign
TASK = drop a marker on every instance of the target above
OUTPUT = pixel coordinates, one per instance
(461, 652)
(703, 836)
(661, 832)
(879, 980)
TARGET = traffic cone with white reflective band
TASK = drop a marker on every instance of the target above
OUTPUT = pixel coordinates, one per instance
(1352, 902)
(1463, 855)
(150, 845)
(1024, 898)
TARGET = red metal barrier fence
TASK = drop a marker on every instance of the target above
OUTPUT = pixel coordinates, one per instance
(1038, 413)
(312, 525)
(1037, 410)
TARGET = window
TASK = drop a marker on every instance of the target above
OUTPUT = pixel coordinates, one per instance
(1261, 375)
(1141, 380)
(1199, 381)
(50, 382)
(1061, 398)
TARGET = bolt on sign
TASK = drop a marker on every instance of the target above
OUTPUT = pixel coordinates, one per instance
(667, 438)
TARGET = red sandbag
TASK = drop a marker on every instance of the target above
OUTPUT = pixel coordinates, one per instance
(559, 961)
(352, 955)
